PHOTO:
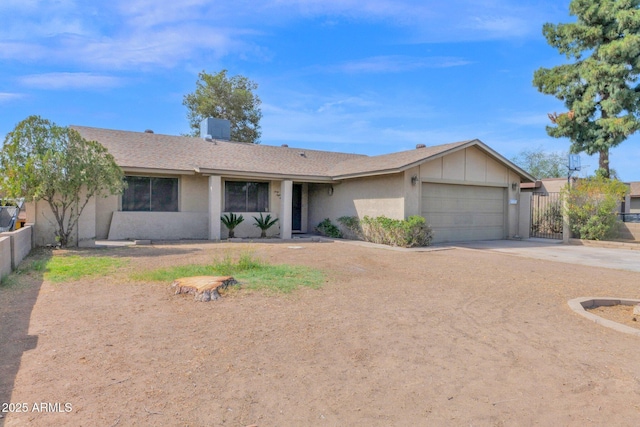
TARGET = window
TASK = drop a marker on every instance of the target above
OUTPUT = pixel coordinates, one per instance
(150, 194)
(242, 196)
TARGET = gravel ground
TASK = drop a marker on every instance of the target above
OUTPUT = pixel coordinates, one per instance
(450, 337)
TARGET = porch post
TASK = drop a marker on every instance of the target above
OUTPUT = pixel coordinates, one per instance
(286, 203)
(215, 206)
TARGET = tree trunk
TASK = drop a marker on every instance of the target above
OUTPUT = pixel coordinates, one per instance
(603, 163)
(204, 288)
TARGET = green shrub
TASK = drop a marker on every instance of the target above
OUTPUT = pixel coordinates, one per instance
(351, 227)
(591, 207)
(231, 221)
(411, 232)
(327, 228)
(264, 223)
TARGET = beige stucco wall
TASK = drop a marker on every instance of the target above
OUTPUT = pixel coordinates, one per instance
(513, 205)
(39, 214)
(194, 193)
(412, 192)
(5, 256)
(159, 225)
(629, 230)
(374, 196)
(105, 206)
(524, 220)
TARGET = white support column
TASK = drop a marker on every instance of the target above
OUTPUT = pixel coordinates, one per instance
(215, 206)
(286, 205)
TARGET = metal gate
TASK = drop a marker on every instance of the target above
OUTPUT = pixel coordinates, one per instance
(546, 215)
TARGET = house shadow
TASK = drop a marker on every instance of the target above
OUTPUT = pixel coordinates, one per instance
(18, 295)
(132, 251)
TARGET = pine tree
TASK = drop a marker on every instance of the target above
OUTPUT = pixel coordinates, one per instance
(599, 87)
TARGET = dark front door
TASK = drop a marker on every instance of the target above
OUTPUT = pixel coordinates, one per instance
(296, 206)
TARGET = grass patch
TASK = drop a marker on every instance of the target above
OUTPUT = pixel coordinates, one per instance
(249, 271)
(31, 267)
(73, 267)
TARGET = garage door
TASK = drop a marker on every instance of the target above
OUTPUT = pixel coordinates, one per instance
(463, 212)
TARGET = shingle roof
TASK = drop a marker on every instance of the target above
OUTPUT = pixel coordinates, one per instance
(393, 162)
(179, 153)
(635, 189)
(141, 150)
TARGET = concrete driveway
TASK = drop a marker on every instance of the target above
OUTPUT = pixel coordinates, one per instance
(552, 250)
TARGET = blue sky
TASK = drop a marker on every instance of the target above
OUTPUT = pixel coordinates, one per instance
(357, 76)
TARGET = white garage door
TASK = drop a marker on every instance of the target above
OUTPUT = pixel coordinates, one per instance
(459, 213)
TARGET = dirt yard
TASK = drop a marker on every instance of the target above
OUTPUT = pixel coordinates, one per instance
(454, 337)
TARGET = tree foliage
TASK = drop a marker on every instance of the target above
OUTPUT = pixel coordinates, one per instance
(43, 161)
(230, 98)
(591, 206)
(599, 87)
(542, 164)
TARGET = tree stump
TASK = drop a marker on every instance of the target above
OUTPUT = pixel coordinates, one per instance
(204, 288)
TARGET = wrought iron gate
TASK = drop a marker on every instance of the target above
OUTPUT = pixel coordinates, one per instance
(546, 215)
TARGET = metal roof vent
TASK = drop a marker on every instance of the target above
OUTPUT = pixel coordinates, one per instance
(148, 131)
(420, 146)
(285, 145)
(302, 154)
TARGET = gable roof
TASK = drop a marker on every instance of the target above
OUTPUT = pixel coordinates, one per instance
(150, 152)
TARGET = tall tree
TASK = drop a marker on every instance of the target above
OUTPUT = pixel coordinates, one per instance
(43, 161)
(230, 98)
(599, 87)
(542, 164)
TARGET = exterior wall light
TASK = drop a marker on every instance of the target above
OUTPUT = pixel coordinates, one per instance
(414, 179)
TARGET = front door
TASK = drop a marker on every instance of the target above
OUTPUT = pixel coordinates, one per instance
(296, 208)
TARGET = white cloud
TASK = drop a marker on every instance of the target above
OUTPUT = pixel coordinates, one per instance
(8, 96)
(56, 81)
(130, 33)
(396, 64)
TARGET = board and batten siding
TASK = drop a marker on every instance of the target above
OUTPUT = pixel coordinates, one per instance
(466, 196)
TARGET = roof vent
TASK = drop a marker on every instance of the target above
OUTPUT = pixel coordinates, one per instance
(148, 131)
(420, 146)
(302, 154)
(284, 145)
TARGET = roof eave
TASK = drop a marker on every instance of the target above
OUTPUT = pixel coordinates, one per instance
(265, 175)
(157, 171)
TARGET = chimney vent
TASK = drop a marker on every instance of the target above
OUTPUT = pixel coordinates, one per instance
(420, 146)
(148, 131)
(215, 129)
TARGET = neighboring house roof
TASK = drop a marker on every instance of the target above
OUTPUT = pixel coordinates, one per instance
(634, 189)
(152, 152)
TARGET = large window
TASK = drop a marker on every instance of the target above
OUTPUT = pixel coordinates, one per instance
(241, 196)
(150, 194)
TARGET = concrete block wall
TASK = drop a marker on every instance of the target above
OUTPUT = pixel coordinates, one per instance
(14, 247)
(629, 230)
(5, 256)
